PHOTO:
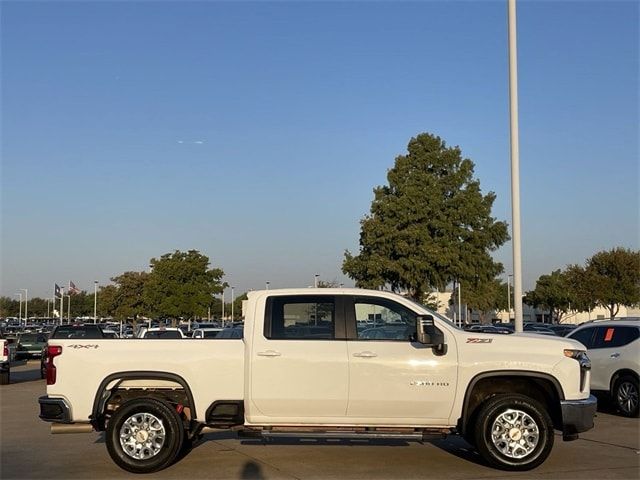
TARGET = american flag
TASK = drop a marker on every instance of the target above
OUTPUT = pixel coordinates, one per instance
(56, 290)
(73, 288)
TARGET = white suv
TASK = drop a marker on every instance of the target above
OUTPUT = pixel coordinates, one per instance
(614, 350)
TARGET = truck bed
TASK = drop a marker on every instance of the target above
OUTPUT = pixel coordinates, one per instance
(213, 369)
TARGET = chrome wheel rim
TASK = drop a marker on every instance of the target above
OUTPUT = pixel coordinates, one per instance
(142, 436)
(515, 434)
(627, 397)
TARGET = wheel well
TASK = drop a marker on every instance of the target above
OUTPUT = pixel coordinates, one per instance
(620, 373)
(118, 388)
(541, 389)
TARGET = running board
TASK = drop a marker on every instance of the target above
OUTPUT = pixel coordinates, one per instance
(343, 435)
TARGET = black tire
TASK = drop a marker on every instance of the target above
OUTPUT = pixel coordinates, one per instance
(625, 395)
(5, 378)
(508, 449)
(161, 455)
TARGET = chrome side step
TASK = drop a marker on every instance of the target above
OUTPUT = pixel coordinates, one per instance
(417, 436)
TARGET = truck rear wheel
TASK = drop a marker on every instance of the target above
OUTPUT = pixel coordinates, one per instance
(144, 435)
(513, 432)
(5, 378)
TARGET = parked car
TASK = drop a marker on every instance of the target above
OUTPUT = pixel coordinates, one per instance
(562, 330)
(162, 333)
(206, 332)
(110, 333)
(30, 345)
(7, 359)
(614, 350)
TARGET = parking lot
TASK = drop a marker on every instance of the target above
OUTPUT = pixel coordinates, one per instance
(28, 450)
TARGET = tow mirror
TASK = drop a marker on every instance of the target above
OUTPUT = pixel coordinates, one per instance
(430, 336)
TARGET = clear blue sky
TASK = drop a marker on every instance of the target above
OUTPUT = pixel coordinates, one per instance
(255, 132)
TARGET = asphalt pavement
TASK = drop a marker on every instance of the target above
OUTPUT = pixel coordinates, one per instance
(28, 451)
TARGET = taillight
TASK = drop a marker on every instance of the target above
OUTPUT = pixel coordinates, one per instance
(52, 352)
(5, 350)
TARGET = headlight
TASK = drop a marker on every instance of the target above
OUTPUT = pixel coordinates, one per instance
(580, 356)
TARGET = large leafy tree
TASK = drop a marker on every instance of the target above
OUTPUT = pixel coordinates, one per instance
(485, 297)
(429, 226)
(181, 285)
(609, 279)
(107, 301)
(129, 298)
(553, 293)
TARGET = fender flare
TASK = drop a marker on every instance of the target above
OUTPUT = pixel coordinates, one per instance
(100, 399)
(503, 373)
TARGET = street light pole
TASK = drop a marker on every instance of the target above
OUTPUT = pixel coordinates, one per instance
(315, 280)
(20, 309)
(509, 297)
(61, 305)
(232, 317)
(95, 301)
(222, 315)
(515, 166)
(26, 305)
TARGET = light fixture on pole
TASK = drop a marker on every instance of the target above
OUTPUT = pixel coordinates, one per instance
(515, 166)
(266, 285)
(20, 309)
(95, 301)
(26, 305)
(315, 280)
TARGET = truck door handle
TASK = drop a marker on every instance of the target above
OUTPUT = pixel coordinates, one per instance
(615, 355)
(366, 354)
(269, 353)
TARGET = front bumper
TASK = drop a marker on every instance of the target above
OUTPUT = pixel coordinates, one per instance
(577, 416)
(54, 410)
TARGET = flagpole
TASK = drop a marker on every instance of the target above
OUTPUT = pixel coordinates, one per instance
(69, 304)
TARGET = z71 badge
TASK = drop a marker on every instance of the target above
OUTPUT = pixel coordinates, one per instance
(479, 340)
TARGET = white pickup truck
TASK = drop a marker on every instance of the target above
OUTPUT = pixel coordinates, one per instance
(324, 363)
(7, 359)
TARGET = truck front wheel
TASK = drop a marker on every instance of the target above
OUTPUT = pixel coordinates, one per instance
(513, 432)
(144, 435)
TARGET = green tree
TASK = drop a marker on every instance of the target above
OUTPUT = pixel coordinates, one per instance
(613, 278)
(237, 306)
(107, 301)
(553, 293)
(130, 300)
(429, 226)
(485, 297)
(181, 285)
(9, 307)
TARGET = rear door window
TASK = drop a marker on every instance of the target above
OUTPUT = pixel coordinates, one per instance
(615, 336)
(301, 317)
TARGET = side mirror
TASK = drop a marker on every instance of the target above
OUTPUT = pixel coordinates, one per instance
(430, 336)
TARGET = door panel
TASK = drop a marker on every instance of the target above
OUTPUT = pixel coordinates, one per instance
(391, 376)
(299, 366)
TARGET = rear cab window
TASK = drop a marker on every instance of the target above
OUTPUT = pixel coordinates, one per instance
(301, 317)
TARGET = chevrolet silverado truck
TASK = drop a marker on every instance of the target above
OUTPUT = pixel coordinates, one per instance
(324, 363)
